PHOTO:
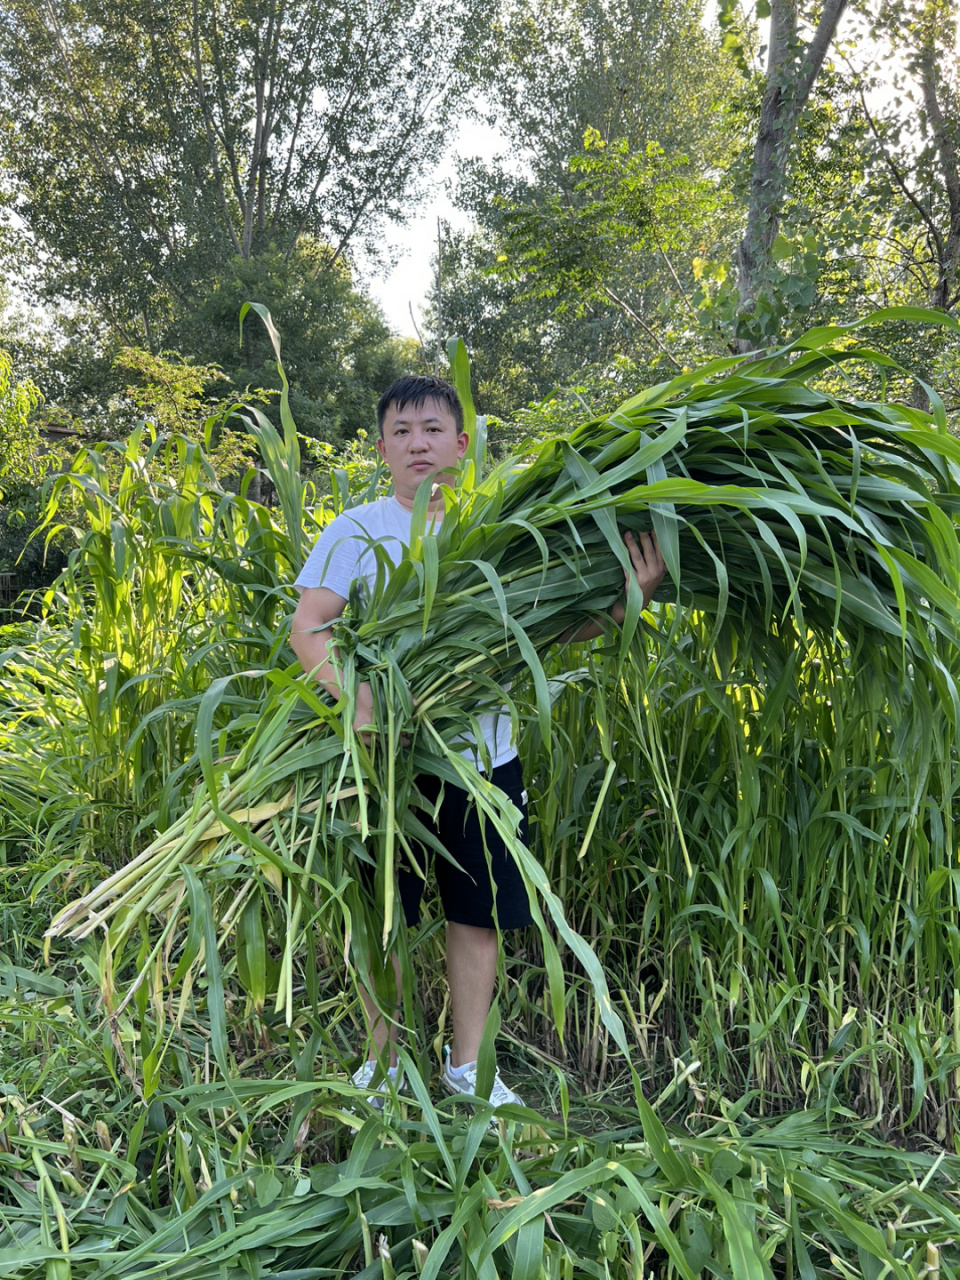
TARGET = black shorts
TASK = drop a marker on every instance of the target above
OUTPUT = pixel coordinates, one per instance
(468, 894)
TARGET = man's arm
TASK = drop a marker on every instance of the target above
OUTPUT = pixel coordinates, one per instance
(311, 639)
(648, 569)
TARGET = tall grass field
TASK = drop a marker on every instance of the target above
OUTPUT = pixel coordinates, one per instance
(736, 1021)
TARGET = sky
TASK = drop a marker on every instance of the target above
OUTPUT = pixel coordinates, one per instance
(407, 284)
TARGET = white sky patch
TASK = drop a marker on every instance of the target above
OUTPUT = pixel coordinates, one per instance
(408, 283)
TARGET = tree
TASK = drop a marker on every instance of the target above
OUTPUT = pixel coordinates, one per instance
(870, 212)
(520, 350)
(617, 113)
(617, 238)
(916, 143)
(912, 176)
(147, 147)
(338, 352)
(941, 99)
(643, 71)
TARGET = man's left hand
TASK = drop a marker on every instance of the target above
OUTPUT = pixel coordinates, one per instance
(648, 570)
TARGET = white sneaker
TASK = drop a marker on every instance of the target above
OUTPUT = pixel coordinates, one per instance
(463, 1080)
(365, 1073)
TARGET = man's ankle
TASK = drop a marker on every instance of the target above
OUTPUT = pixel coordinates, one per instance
(387, 1054)
(459, 1060)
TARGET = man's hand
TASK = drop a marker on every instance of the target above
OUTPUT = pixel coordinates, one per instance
(311, 638)
(648, 570)
(363, 720)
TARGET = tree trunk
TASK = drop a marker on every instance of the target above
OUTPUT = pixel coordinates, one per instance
(944, 133)
(944, 294)
(792, 69)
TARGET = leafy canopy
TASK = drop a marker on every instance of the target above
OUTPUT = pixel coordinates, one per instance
(147, 148)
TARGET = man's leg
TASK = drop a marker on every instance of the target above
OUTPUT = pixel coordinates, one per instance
(472, 956)
(383, 1032)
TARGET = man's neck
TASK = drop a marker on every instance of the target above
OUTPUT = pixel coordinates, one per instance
(434, 506)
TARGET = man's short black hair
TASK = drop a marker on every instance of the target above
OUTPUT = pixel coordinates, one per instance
(416, 388)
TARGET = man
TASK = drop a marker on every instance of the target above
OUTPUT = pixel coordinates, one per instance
(421, 439)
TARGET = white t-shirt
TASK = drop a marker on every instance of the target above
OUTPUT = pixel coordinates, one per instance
(344, 553)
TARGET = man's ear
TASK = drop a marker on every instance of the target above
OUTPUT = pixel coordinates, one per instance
(380, 448)
(462, 441)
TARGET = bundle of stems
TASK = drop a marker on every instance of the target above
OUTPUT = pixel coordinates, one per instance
(777, 505)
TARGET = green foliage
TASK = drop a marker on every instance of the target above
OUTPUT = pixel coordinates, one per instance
(339, 353)
(744, 539)
(585, 255)
(430, 1192)
(21, 455)
(147, 215)
(173, 395)
(848, 204)
(622, 202)
(353, 473)
(138, 182)
(170, 390)
(25, 458)
(71, 358)
(33, 564)
(167, 567)
(867, 185)
(521, 352)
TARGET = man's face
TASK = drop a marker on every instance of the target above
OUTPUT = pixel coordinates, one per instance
(419, 443)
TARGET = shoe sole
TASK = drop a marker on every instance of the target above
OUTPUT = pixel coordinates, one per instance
(516, 1101)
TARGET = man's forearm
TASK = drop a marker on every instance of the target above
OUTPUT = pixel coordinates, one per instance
(317, 655)
(592, 629)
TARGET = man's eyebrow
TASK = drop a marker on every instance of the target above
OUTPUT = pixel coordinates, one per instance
(403, 421)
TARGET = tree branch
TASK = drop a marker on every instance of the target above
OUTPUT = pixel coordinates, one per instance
(302, 99)
(111, 167)
(210, 129)
(817, 48)
(226, 134)
(358, 78)
(898, 177)
(629, 311)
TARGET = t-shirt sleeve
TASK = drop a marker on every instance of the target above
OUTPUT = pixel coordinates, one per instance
(334, 562)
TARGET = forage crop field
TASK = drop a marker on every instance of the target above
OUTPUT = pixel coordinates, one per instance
(736, 1022)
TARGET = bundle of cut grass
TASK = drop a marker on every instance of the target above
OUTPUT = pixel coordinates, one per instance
(778, 507)
(774, 504)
